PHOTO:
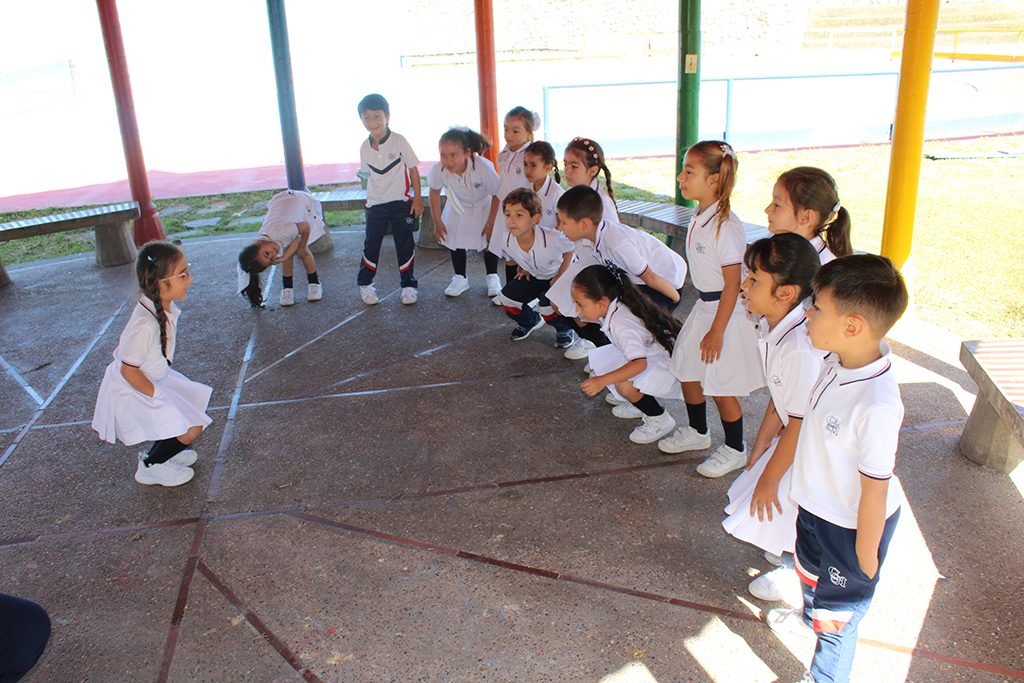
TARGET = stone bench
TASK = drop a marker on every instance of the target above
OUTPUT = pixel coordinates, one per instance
(671, 220)
(994, 434)
(112, 225)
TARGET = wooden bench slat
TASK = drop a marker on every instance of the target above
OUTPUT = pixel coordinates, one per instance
(70, 220)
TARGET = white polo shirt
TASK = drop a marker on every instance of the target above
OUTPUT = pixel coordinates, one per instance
(851, 428)
(635, 251)
(611, 212)
(388, 168)
(710, 248)
(139, 345)
(549, 193)
(284, 213)
(544, 258)
(824, 253)
(511, 170)
(627, 332)
(791, 363)
(477, 184)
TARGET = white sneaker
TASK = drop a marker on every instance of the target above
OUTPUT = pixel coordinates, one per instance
(315, 293)
(185, 458)
(685, 439)
(773, 559)
(653, 428)
(164, 474)
(722, 462)
(611, 400)
(409, 295)
(287, 296)
(457, 286)
(627, 411)
(369, 295)
(786, 621)
(493, 285)
(496, 300)
(778, 585)
(579, 350)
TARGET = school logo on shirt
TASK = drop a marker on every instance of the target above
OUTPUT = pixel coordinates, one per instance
(700, 248)
(776, 381)
(478, 185)
(519, 170)
(836, 578)
(391, 155)
(832, 425)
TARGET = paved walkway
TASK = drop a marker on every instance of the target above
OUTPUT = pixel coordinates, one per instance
(399, 493)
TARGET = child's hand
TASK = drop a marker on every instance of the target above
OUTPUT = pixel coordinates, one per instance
(756, 451)
(417, 206)
(711, 346)
(440, 231)
(521, 274)
(765, 497)
(488, 229)
(868, 565)
(592, 386)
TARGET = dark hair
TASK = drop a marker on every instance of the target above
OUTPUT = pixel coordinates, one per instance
(156, 261)
(528, 117)
(788, 258)
(375, 102)
(581, 202)
(247, 261)
(717, 156)
(814, 189)
(593, 156)
(546, 152)
(867, 285)
(525, 198)
(469, 140)
(611, 282)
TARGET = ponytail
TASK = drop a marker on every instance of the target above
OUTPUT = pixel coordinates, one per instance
(248, 263)
(546, 152)
(812, 188)
(529, 118)
(717, 156)
(837, 233)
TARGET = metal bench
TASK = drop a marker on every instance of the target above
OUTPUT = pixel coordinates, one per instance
(994, 434)
(669, 219)
(111, 223)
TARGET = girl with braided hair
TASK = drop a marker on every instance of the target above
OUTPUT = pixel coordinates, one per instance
(634, 367)
(583, 163)
(141, 398)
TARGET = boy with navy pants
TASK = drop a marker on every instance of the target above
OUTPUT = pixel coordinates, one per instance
(392, 198)
(843, 482)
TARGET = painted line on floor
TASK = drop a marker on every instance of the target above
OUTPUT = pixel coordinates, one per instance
(21, 381)
(181, 601)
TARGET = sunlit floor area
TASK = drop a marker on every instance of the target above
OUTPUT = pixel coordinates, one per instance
(401, 493)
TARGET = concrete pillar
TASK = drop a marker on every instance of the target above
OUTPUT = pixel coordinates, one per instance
(114, 244)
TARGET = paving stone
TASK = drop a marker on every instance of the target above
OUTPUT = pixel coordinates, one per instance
(250, 220)
(202, 222)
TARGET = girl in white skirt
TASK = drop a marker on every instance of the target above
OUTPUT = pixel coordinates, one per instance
(294, 220)
(635, 365)
(716, 352)
(141, 398)
(471, 185)
(760, 511)
(805, 200)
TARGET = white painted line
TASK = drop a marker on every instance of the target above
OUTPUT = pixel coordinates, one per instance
(21, 381)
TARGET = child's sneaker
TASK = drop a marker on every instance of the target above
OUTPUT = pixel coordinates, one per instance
(457, 286)
(612, 400)
(496, 300)
(369, 295)
(685, 439)
(628, 411)
(287, 296)
(789, 622)
(493, 286)
(652, 428)
(315, 293)
(564, 340)
(521, 333)
(164, 474)
(773, 559)
(780, 584)
(409, 295)
(722, 462)
(185, 458)
(580, 350)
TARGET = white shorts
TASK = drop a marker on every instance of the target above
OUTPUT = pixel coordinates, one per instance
(737, 372)
(777, 536)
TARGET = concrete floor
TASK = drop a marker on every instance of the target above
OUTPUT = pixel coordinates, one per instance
(399, 493)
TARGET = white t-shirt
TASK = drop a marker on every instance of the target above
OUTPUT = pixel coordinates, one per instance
(709, 249)
(851, 428)
(628, 333)
(635, 251)
(549, 194)
(139, 345)
(513, 174)
(824, 253)
(791, 363)
(474, 188)
(544, 258)
(388, 169)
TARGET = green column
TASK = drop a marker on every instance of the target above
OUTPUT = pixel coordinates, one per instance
(689, 83)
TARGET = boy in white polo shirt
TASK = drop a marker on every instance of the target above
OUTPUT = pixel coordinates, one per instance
(392, 198)
(843, 482)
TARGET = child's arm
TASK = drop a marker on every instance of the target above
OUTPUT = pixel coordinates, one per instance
(297, 244)
(489, 225)
(657, 282)
(594, 385)
(440, 232)
(766, 492)
(771, 425)
(138, 380)
(870, 522)
(711, 344)
(417, 198)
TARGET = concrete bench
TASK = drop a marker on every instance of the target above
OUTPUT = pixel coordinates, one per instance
(112, 225)
(994, 434)
(354, 199)
(671, 220)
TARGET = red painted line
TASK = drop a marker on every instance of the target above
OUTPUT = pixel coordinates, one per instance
(514, 566)
(181, 601)
(946, 659)
(390, 538)
(257, 623)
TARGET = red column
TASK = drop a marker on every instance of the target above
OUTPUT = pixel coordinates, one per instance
(487, 75)
(147, 227)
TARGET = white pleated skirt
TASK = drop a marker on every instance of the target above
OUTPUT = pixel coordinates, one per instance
(123, 414)
(465, 231)
(560, 292)
(498, 234)
(777, 536)
(737, 372)
(656, 380)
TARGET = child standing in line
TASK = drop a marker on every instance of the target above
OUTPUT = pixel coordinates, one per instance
(539, 163)
(634, 366)
(805, 200)
(294, 220)
(141, 398)
(539, 253)
(392, 198)
(843, 482)
(760, 511)
(520, 123)
(583, 162)
(716, 353)
(471, 185)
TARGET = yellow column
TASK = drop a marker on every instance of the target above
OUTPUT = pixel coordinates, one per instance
(908, 130)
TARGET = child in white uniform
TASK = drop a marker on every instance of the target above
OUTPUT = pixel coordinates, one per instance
(583, 162)
(779, 274)
(805, 200)
(471, 186)
(141, 398)
(635, 365)
(520, 123)
(539, 163)
(294, 220)
(716, 353)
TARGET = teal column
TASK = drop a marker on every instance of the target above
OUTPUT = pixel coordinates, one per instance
(688, 102)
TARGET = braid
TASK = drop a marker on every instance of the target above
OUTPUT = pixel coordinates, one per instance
(558, 176)
(608, 180)
(248, 263)
(155, 262)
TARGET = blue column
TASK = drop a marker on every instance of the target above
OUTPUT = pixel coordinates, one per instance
(286, 95)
